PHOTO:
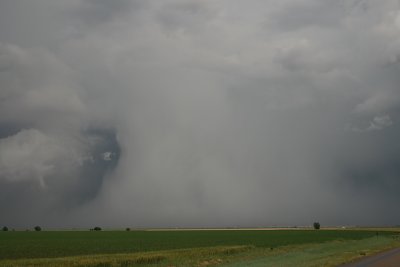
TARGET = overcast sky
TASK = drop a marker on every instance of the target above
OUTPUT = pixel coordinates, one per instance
(199, 113)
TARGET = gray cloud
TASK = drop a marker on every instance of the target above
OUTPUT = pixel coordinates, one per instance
(199, 113)
(376, 124)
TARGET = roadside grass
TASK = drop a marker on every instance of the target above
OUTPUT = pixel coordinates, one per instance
(327, 254)
(332, 253)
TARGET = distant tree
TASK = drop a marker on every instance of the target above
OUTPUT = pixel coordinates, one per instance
(5, 228)
(317, 225)
(97, 228)
(128, 229)
(38, 228)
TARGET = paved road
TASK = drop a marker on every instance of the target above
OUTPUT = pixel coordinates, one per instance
(389, 258)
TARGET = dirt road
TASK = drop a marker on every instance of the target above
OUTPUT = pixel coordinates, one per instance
(389, 258)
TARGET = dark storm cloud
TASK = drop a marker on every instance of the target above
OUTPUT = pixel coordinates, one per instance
(185, 16)
(301, 14)
(49, 181)
(199, 113)
(94, 13)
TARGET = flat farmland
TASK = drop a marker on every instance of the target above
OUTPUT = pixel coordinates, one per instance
(79, 248)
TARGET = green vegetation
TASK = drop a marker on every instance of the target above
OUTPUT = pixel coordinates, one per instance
(14, 245)
(316, 225)
(4, 229)
(190, 248)
(180, 257)
(38, 228)
(334, 253)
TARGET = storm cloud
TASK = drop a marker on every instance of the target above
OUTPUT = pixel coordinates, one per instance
(199, 113)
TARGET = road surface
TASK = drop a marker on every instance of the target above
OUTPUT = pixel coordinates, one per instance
(389, 258)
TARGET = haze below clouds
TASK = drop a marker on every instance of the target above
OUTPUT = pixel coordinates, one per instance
(199, 113)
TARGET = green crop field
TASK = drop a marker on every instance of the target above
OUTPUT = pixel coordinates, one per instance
(29, 245)
(14, 245)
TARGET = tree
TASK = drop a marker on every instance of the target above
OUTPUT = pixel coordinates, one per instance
(128, 229)
(5, 228)
(317, 226)
(38, 228)
(97, 228)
